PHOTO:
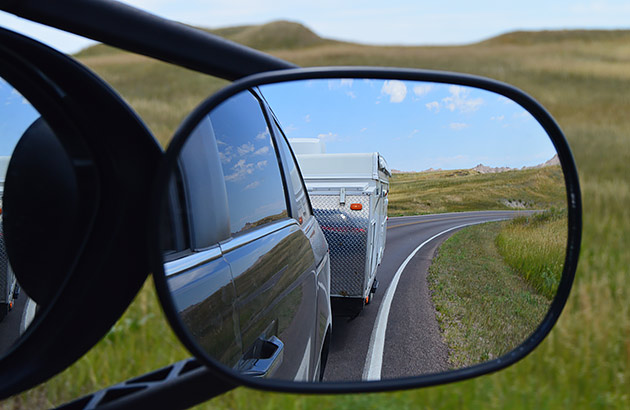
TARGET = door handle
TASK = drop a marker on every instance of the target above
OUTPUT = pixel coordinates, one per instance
(263, 358)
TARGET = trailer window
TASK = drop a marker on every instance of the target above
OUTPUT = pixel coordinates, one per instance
(251, 172)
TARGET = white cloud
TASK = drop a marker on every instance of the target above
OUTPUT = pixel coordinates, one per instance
(351, 94)
(422, 89)
(261, 164)
(341, 83)
(458, 126)
(460, 101)
(363, 129)
(397, 90)
(263, 135)
(241, 169)
(252, 185)
(433, 106)
(226, 154)
(262, 151)
(307, 118)
(245, 148)
(497, 118)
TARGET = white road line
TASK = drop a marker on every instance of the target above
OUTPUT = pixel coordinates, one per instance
(28, 313)
(374, 357)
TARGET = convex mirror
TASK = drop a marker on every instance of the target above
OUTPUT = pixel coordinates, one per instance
(364, 226)
(17, 309)
(43, 208)
(31, 283)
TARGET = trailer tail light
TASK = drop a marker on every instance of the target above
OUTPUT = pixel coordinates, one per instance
(356, 207)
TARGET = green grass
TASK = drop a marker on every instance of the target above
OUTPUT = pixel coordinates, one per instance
(581, 78)
(139, 342)
(468, 190)
(484, 307)
(535, 246)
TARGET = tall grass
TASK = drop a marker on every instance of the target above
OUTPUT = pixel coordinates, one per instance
(483, 306)
(582, 80)
(535, 246)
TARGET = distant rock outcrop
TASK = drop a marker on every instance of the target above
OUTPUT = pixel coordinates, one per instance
(483, 169)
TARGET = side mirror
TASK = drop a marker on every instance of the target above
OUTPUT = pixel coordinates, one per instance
(279, 259)
(71, 149)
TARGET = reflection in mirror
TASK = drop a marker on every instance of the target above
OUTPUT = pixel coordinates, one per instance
(443, 209)
(17, 310)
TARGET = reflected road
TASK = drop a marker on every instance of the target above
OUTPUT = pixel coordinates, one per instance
(398, 335)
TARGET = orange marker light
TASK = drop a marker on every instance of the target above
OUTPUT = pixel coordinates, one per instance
(356, 207)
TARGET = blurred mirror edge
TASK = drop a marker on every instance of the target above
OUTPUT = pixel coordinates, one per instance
(239, 268)
(47, 183)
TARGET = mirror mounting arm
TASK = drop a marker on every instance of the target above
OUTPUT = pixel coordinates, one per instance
(178, 386)
(148, 34)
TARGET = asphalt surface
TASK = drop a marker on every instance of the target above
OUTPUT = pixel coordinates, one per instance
(10, 325)
(404, 339)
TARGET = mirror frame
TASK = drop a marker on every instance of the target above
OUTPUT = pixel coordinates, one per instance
(125, 156)
(528, 103)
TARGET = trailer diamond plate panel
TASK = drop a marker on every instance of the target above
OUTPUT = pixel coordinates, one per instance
(346, 231)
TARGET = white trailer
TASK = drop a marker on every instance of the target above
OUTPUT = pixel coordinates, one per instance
(348, 193)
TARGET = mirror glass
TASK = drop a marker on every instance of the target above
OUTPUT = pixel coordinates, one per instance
(362, 229)
(17, 310)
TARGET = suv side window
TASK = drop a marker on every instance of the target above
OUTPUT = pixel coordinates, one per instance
(253, 182)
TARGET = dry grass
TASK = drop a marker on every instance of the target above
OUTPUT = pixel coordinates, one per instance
(468, 190)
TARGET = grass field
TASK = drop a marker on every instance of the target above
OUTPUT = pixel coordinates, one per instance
(485, 308)
(468, 190)
(581, 78)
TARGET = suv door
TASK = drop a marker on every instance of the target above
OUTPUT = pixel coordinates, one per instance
(301, 208)
(271, 259)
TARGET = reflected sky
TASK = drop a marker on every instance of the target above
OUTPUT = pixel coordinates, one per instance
(248, 158)
(415, 125)
(16, 115)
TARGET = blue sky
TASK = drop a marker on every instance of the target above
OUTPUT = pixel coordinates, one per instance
(16, 115)
(414, 125)
(372, 21)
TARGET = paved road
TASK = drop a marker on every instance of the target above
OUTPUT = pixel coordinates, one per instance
(397, 334)
(10, 325)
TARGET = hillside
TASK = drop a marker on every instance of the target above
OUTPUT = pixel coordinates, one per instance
(276, 35)
(559, 36)
(469, 190)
